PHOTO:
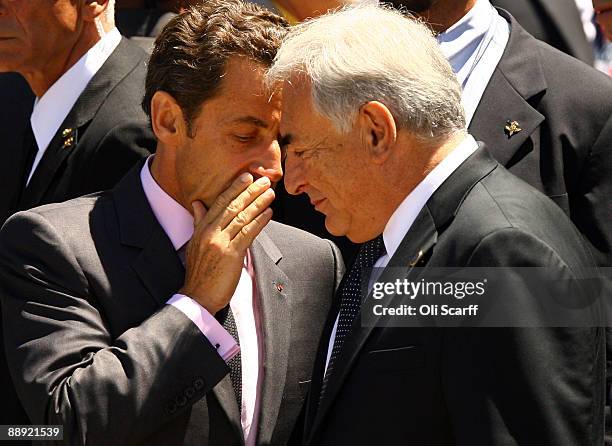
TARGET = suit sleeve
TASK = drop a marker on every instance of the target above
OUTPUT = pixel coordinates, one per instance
(67, 367)
(514, 386)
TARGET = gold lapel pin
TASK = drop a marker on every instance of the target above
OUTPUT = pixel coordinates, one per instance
(416, 260)
(68, 142)
(68, 136)
(512, 128)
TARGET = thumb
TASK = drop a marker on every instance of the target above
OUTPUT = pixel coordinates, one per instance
(199, 211)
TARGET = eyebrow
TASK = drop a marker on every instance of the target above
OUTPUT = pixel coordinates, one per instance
(250, 120)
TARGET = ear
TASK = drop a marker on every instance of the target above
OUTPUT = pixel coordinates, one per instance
(378, 128)
(167, 119)
(92, 9)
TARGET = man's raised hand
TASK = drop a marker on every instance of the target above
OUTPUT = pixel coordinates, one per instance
(221, 237)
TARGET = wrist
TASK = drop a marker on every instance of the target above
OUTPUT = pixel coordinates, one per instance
(209, 306)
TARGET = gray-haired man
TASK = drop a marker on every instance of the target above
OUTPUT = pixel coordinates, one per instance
(374, 133)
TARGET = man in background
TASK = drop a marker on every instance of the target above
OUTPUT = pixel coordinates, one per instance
(86, 128)
(546, 117)
(556, 22)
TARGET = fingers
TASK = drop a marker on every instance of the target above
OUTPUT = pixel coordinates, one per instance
(226, 197)
(238, 205)
(247, 233)
(250, 213)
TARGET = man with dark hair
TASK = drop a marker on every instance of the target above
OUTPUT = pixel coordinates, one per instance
(170, 310)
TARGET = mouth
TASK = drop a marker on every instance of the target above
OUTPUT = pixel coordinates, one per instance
(317, 203)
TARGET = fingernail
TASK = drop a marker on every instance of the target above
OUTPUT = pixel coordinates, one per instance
(245, 178)
(263, 181)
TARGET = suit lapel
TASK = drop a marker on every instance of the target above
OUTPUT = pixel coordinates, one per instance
(274, 290)
(159, 268)
(519, 81)
(157, 265)
(415, 250)
(119, 64)
(421, 238)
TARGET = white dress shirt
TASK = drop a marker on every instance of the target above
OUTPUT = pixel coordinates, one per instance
(474, 46)
(404, 216)
(53, 107)
(177, 223)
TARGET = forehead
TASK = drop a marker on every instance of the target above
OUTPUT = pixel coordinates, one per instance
(243, 92)
(299, 117)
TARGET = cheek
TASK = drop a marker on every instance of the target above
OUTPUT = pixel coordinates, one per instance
(65, 17)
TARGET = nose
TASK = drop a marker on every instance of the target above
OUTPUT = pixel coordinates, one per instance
(294, 175)
(268, 163)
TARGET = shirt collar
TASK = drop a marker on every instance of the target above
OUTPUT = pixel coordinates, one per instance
(459, 42)
(404, 216)
(175, 220)
(51, 109)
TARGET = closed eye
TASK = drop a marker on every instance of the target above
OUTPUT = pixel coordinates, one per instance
(244, 138)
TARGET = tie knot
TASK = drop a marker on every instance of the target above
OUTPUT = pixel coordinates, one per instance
(372, 251)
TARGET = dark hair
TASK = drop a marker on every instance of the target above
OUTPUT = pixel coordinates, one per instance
(191, 52)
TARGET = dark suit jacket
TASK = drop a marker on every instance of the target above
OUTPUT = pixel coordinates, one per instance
(17, 98)
(92, 345)
(565, 112)
(563, 149)
(110, 131)
(556, 22)
(111, 134)
(469, 386)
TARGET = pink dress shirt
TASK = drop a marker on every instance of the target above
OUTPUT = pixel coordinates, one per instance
(177, 223)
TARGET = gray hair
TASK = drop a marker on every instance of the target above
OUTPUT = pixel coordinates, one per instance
(366, 53)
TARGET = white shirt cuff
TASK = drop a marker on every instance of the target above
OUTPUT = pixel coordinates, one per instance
(209, 326)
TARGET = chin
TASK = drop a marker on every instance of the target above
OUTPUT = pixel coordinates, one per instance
(334, 229)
